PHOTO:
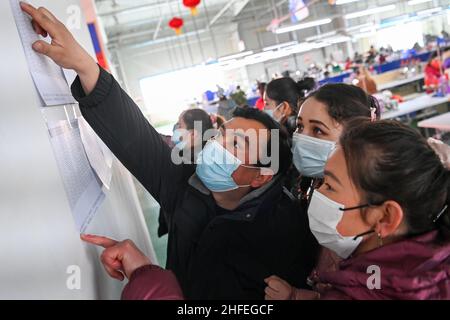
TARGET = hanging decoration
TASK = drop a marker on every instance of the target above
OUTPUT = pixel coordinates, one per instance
(192, 5)
(298, 10)
(176, 24)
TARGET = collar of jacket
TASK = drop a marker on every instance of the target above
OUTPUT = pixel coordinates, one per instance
(253, 203)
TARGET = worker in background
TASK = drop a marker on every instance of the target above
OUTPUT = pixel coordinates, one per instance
(260, 102)
(239, 97)
(226, 106)
(348, 64)
(433, 72)
(282, 99)
(371, 55)
(187, 139)
(365, 81)
(446, 58)
(382, 57)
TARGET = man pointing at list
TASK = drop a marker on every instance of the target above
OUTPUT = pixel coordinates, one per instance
(231, 225)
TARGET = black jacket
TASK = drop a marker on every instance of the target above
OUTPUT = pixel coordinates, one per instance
(215, 254)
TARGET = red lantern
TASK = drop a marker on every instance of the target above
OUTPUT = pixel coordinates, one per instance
(192, 4)
(176, 24)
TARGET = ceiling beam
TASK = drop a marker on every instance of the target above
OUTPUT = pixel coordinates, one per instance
(134, 8)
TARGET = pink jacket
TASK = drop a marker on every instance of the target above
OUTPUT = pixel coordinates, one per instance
(413, 269)
(152, 283)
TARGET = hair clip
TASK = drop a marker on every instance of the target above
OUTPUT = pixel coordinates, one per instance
(440, 214)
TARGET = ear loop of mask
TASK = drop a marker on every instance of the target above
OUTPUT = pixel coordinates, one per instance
(356, 208)
(219, 134)
(373, 231)
(278, 107)
(264, 171)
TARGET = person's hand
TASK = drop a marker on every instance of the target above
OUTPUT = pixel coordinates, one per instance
(120, 259)
(64, 50)
(301, 294)
(278, 289)
(442, 150)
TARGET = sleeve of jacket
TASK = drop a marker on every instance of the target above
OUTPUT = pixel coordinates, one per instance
(121, 125)
(333, 294)
(236, 277)
(152, 283)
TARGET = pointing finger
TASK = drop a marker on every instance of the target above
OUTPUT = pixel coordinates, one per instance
(99, 241)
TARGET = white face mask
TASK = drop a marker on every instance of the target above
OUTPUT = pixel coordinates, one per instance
(324, 216)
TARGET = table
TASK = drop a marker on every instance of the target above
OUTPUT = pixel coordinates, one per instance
(400, 82)
(421, 103)
(441, 122)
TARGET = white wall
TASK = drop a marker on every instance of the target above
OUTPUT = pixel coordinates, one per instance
(38, 236)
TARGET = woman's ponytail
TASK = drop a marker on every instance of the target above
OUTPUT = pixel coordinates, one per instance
(375, 108)
(305, 86)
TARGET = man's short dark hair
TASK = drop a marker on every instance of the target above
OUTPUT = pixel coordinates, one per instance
(285, 154)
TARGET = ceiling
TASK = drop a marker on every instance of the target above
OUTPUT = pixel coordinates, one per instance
(133, 22)
(129, 22)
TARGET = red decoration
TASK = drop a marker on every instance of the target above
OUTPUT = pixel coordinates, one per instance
(192, 4)
(176, 24)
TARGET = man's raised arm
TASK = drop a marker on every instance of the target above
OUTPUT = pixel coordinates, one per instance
(110, 111)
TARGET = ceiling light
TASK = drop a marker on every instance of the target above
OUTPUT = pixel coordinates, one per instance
(369, 12)
(414, 2)
(341, 2)
(305, 25)
(320, 36)
(235, 56)
(429, 11)
(337, 40)
(360, 26)
(279, 46)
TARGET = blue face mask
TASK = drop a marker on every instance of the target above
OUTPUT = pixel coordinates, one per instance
(177, 139)
(311, 154)
(271, 113)
(215, 166)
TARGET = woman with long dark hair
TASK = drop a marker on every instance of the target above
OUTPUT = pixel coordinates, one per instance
(282, 100)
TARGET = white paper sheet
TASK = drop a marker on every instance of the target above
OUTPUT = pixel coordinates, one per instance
(83, 189)
(48, 77)
(100, 157)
